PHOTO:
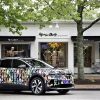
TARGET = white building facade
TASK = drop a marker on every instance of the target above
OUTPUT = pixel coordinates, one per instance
(54, 44)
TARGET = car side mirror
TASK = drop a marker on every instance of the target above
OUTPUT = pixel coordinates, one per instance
(22, 66)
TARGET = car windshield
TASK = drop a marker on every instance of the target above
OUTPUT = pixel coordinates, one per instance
(37, 63)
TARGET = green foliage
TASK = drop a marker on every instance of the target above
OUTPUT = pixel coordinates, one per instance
(66, 9)
(13, 12)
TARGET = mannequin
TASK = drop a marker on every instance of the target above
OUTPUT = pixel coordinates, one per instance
(61, 58)
(13, 53)
(47, 56)
(54, 58)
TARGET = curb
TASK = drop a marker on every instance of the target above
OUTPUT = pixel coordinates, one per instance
(87, 87)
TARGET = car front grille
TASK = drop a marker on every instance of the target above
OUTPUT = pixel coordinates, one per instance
(61, 76)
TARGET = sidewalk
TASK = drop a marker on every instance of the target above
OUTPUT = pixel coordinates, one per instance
(89, 86)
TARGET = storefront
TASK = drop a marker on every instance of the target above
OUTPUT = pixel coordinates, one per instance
(54, 45)
(16, 46)
(55, 49)
(91, 52)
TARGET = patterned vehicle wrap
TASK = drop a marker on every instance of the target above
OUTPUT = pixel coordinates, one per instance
(21, 76)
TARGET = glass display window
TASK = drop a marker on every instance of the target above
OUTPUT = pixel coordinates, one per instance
(54, 53)
(15, 50)
(87, 51)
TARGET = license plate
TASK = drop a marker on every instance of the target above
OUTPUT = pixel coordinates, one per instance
(65, 81)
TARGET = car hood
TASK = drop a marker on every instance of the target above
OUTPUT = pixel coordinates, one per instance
(59, 71)
(52, 71)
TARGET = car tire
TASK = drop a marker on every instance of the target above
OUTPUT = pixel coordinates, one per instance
(62, 91)
(37, 86)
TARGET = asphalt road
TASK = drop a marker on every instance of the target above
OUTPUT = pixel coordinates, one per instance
(72, 95)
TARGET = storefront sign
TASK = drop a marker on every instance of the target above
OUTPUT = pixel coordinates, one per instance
(17, 38)
(13, 40)
(47, 34)
(87, 38)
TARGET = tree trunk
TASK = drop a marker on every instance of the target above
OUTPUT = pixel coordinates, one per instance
(80, 56)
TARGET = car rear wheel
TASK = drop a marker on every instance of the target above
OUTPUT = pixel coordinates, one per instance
(37, 86)
(62, 91)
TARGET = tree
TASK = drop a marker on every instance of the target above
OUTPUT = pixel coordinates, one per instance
(13, 12)
(77, 10)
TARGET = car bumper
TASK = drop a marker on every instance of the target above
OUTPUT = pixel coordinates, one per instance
(61, 88)
(58, 85)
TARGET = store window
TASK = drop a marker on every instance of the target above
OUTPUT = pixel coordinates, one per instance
(87, 55)
(54, 53)
(15, 50)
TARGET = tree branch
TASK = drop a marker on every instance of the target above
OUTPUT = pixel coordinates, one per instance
(52, 7)
(59, 12)
(89, 26)
(70, 14)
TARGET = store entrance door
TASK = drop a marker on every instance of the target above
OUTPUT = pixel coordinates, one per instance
(54, 53)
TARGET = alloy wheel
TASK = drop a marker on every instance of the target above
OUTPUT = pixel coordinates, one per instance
(37, 86)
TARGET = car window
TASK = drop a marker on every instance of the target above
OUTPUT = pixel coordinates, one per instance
(17, 63)
(35, 63)
(6, 63)
(39, 64)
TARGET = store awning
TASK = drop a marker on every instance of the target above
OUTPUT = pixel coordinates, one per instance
(87, 38)
(17, 38)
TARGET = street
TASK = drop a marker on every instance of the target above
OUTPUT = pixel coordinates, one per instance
(72, 95)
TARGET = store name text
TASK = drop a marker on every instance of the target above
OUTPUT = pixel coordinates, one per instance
(14, 40)
(49, 34)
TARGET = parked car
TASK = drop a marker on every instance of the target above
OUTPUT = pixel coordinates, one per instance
(31, 74)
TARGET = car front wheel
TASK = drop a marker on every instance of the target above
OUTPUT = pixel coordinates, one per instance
(37, 86)
(62, 91)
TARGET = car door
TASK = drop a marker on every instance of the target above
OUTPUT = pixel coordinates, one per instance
(6, 72)
(20, 69)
